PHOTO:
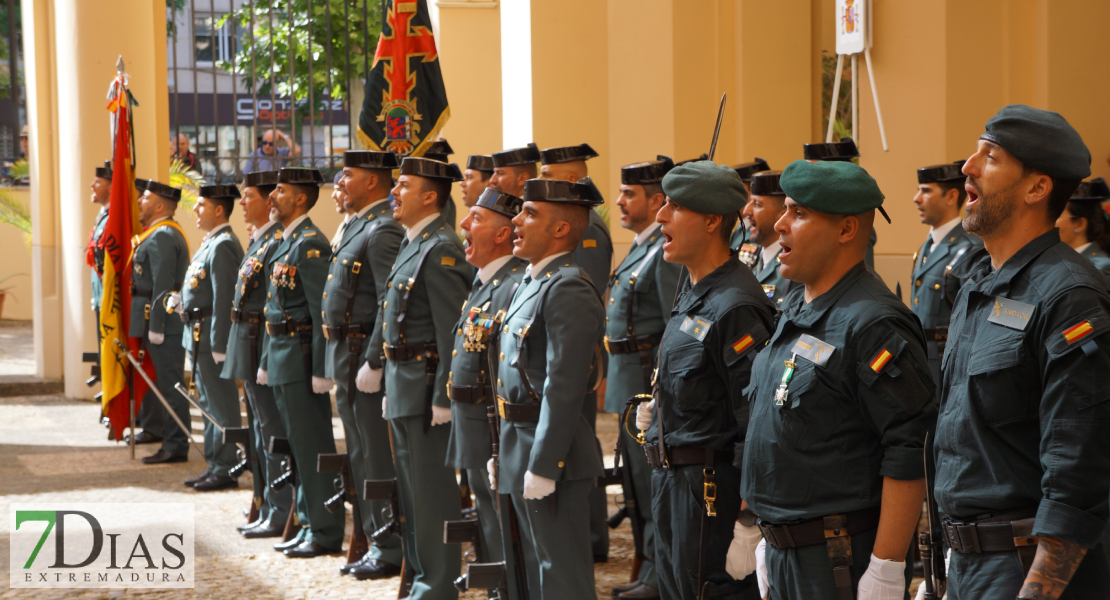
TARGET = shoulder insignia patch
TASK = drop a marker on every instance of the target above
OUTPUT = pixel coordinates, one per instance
(1078, 331)
(589, 243)
(769, 289)
(813, 350)
(313, 254)
(742, 344)
(696, 327)
(880, 360)
(1011, 313)
(309, 233)
(447, 261)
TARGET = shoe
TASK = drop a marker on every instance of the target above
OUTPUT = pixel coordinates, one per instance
(190, 482)
(601, 558)
(143, 437)
(375, 569)
(618, 589)
(268, 529)
(643, 592)
(293, 543)
(345, 569)
(162, 456)
(251, 525)
(309, 550)
(216, 482)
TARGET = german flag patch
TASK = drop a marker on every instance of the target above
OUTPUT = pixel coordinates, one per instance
(1078, 331)
(742, 344)
(880, 360)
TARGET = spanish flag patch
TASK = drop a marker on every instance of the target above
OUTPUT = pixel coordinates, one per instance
(880, 361)
(1078, 332)
(743, 344)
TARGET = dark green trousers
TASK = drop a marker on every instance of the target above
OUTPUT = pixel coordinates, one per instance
(268, 424)
(998, 576)
(169, 367)
(641, 481)
(805, 572)
(557, 554)
(598, 501)
(489, 535)
(220, 398)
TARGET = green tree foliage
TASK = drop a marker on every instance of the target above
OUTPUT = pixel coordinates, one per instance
(6, 51)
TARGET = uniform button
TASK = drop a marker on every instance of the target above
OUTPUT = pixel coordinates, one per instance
(333, 260)
(505, 329)
(454, 353)
(459, 331)
(383, 326)
(560, 464)
(502, 356)
(918, 283)
(936, 286)
(384, 304)
(265, 309)
(610, 302)
(329, 277)
(325, 294)
(916, 301)
(498, 382)
(389, 284)
(269, 295)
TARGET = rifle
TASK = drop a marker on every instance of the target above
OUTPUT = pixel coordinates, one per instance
(717, 128)
(931, 543)
(288, 476)
(632, 505)
(346, 492)
(465, 530)
(241, 437)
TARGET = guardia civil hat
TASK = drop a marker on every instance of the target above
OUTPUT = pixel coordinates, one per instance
(832, 187)
(439, 150)
(582, 193)
(1040, 139)
(140, 184)
(432, 169)
(219, 192)
(105, 172)
(161, 189)
(941, 173)
(260, 178)
(844, 150)
(704, 186)
(527, 155)
(1094, 190)
(301, 176)
(500, 202)
(766, 183)
(566, 154)
(369, 159)
(746, 170)
(480, 162)
(646, 172)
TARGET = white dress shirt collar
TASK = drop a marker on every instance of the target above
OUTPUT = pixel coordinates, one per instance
(646, 233)
(938, 233)
(491, 268)
(261, 231)
(770, 252)
(536, 268)
(416, 229)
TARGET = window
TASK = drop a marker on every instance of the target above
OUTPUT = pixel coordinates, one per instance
(203, 38)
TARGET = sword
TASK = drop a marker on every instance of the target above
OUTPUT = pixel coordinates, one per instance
(717, 129)
(184, 392)
(136, 367)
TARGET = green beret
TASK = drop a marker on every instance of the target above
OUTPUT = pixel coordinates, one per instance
(833, 187)
(705, 187)
(1040, 139)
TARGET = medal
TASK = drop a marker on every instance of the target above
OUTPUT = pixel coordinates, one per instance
(784, 386)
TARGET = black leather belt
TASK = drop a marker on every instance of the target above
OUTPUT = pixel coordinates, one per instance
(518, 412)
(407, 351)
(250, 316)
(680, 456)
(938, 334)
(468, 394)
(291, 326)
(342, 331)
(141, 292)
(196, 314)
(1004, 533)
(633, 344)
(812, 532)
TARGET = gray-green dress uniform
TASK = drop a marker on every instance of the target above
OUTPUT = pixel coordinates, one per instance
(774, 285)
(158, 268)
(1021, 434)
(470, 388)
(298, 270)
(352, 295)
(206, 303)
(97, 268)
(739, 235)
(1098, 258)
(244, 352)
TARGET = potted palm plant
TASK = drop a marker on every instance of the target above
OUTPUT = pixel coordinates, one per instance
(4, 291)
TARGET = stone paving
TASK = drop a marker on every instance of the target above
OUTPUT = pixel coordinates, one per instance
(53, 450)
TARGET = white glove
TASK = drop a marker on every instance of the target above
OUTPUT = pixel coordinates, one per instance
(369, 379)
(761, 569)
(156, 338)
(536, 487)
(883, 580)
(491, 471)
(741, 560)
(322, 385)
(921, 588)
(643, 415)
(440, 415)
(383, 406)
(262, 377)
(219, 357)
(174, 303)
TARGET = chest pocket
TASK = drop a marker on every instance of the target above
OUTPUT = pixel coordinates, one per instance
(687, 369)
(1001, 379)
(808, 415)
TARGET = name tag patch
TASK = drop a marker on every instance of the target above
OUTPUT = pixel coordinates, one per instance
(696, 327)
(813, 350)
(1011, 313)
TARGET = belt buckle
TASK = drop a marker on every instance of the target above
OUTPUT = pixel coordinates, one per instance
(356, 267)
(501, 402)
(146, 311)
(327, 335)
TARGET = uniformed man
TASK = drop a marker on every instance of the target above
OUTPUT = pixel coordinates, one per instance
(339, 197)
(94, 256)
(479, 169)
(549, 359)
(511, 168)
(292, 362)
(352, 295)
(641, 291)
(205, 306)
(845, 150)
(740, 239)
(489, 236)
(1085, 225)
(1023, 466)
(763, 209)
(940, 196)
(158, 264)
(841, 402)
(440, 150)
(425, 292)
(244, 350)
(720, 319)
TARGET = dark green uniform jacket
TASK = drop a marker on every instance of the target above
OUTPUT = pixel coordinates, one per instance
(250, 295)
(858, 406)
(157, 269)
(298, 270)
(595, 252)
(209, 284)
(1099, 258)
(97, 282)
(639, 305)
(434, 301)
(774, 284)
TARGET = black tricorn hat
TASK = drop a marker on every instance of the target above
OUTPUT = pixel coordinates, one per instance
(439, 150)
(480, 162)
(564, 154)
(746, 170)
(583, 193)
(163, 190)
(527, 155)
(105, 172)
(219, 192)
(703, 156)
(766, 183)
(369, 159)
(646, 172)
(500, 202)
(433, 169)
(844, 150)
(140, 184)
(1091, 191)
(260, 178)
(301, 176)
(938, 173)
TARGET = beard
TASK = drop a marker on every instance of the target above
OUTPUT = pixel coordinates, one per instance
(993, 211)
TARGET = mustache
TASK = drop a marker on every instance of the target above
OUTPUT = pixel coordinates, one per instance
(974, 184)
